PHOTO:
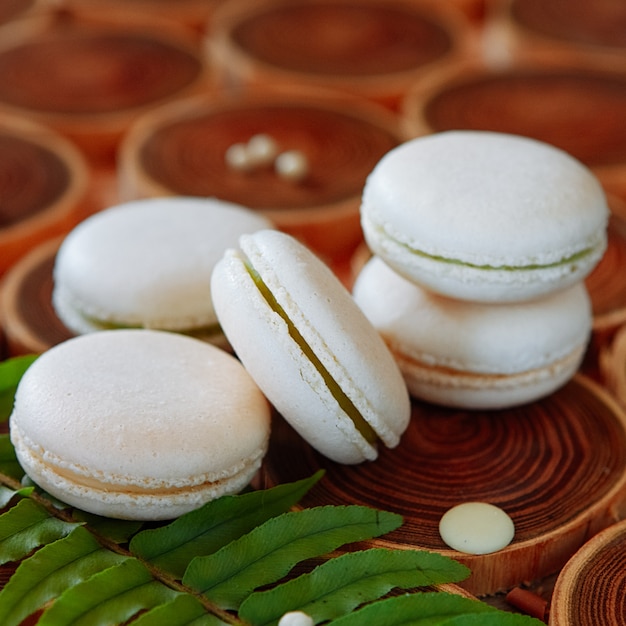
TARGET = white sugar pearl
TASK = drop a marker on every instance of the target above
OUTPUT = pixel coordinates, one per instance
(476, 528)
(292, 165)
(262, 149)
(237, 157)
(296, 618)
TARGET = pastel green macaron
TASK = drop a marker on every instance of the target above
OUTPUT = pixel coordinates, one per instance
(485, 216)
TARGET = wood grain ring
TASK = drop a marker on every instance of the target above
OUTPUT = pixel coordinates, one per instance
(557, 467)
(591, 588)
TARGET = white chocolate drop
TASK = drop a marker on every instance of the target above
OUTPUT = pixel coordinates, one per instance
(262, 149)
(296, 618)
(237, 158)
(476, 528)
(292, 165)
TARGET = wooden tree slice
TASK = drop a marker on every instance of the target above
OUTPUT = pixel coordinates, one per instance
(576, 109)
(613, 365)
(557, 467)
(591, 588)
(44, 185)
(28, 317)
(16, 9)
(89, 79)
(180, 150)
(561, 31)
(370, 48)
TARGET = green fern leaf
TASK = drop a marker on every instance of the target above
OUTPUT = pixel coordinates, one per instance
(268, 552)
(11, 370)
(341, 584)
(27, 526)
(9, 465)
(205, 530)
(111, 596)
(432, 609)
(184, 610)
(7, 494)
(116, 530)
(52, 569)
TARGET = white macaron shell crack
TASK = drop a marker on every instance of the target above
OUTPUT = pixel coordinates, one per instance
(333, 328)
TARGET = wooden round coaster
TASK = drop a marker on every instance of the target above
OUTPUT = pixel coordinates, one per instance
(370, 48)
(30, 323)
(89, 79)
(612, 360)
(16, 9)
(181, 150)
(576, 109)
(557, 467)
(561, 31)
(591, 588)
(44, 183)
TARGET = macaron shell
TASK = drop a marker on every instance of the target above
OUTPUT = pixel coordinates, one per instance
(498, 353)
(147, 263)
(470, 206)
(331, 324)
(138, 416)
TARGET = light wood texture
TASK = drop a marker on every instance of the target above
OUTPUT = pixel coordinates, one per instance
(591, 588)
(180, 150)
(88, 79)
(367, 48)
(557, 467)
(44, 185)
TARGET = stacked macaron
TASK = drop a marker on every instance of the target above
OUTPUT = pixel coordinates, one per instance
(482, 242)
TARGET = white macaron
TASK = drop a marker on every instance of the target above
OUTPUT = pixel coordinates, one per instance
(147, 264)
(485, 216)
(308, 346)
(476, 355)
(139, 424)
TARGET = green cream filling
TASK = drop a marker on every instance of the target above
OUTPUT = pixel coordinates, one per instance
(200, 331)
(509, 268)
(342, 399)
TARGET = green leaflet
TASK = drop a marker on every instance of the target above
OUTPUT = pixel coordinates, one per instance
(9, 465)
(11, 371)
(7, 494)
(184, 610)
(432, 609)
(27, 526)
(207, 529)
(113, 595)
(268, 552)
(116, 530)
(48, 572)
(341, 584)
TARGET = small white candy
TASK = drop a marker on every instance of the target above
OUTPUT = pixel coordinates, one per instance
(262, 149)
(296, 618)
(476, 528)
(292, 165)
(237, 157)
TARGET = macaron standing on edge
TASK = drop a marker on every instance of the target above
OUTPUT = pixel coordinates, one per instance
(148, 264)
(310, 349)
(471, 354)
(485, 216)
(139, 424)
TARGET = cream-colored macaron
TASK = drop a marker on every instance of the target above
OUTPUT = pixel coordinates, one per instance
(308, 346)
(148, 264)
(139, 424)
(485, 216)
(476, 355)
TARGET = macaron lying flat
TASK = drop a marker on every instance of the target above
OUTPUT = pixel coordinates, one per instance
(476, 355)
(309, 347)
(139, 424)
(485, 216)
(148, 264)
